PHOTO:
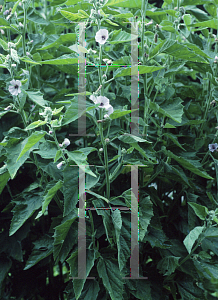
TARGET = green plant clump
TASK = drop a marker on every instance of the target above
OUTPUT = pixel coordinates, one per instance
(108, 150)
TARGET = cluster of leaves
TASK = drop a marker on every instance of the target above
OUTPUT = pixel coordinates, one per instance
(178, 196)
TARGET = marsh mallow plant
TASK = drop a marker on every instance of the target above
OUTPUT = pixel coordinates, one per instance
(169, 168)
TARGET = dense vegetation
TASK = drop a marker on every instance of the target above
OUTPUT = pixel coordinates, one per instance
(69, 66)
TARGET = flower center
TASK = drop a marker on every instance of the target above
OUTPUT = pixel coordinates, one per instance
(101, 104)
(16, 86)
(103, 37)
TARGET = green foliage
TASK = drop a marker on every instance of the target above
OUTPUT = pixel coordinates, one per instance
(45, 164)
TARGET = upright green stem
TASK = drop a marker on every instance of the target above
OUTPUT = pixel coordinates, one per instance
(56, 141)
(147, 100)
(23, 116)
(105, 155)
(24, 32)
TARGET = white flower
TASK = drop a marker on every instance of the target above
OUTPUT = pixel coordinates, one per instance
(2, 31)
(101, 36)
(66, 142)
(21, 25)
(14, 88)
(13, 65)
(60, 165)
(93, 98)
(109, 111)
(104, 102)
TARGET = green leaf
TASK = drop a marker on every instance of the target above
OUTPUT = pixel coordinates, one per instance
(145, 215)
(15, 7)
(174, 139)
(73, 113)
(37, 19)
(42, 248)
(192, 165)
(125, 3)
(98, 196)
(55, 40)
(194, 2)
(31, 141)
(47, 149)
(65, 236)
(200, 210)
(50, 194)
(78, 157)
(213, 23)
(117, 222)
(70, 189)
(134, 70)
(211, 232)
(6, 264)
(37, 97)
(74, 16)
(4, 176)
(192, 237)
(187, 19)
(65, 59)
(120, 113)
(172, 110)
(24, 210)
(78, 284)
(35, 124)
(111, 277)
(13, 153)
(168, 265)
(4, 45)
(130, 138)
(29, 60)
(139, 288)
(119, 36)
(14, 55)
(58, 155)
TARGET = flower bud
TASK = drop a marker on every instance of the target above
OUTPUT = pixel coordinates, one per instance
(123, 151)
(8, 107)
(13, 65)
(107, 140)
(50, 132)
(66, 142)
(6, 12)
(101, 150)
(213, 103)
(60, 165)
